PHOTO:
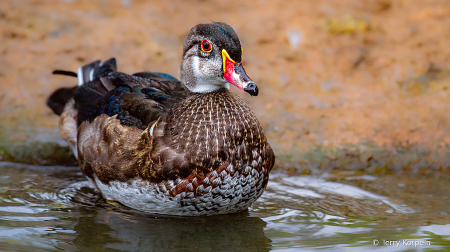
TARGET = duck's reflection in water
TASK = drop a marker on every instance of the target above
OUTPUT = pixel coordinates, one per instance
(110, 226)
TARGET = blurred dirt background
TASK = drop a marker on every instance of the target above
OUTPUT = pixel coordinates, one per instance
(361, 85)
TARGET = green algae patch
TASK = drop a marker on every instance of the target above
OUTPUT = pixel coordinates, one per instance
(368, 158)
(434, 79)
(346, 25)
(38, 153)
(32, 146)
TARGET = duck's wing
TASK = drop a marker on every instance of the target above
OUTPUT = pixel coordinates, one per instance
(136, 99)
(117, 131)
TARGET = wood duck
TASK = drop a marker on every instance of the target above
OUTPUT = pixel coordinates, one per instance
(164, 146)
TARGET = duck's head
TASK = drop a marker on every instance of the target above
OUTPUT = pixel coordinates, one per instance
(212, 59)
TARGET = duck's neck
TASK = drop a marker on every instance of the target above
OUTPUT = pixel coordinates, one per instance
(207, 86)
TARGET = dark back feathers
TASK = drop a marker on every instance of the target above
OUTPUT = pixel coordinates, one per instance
(136, 99)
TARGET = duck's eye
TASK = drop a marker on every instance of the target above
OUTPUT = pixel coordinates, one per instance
(206, 46)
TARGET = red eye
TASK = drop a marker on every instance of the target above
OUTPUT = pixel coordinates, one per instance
(206, 46)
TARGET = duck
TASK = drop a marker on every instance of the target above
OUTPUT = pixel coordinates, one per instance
(165, 146)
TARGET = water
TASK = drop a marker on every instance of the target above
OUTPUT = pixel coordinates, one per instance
(55, 208)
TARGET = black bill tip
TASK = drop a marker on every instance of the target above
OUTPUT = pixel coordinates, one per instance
(252, 89)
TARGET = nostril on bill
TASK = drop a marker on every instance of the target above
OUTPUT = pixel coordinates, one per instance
(252, 89)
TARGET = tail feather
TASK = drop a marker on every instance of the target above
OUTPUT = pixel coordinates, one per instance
(95, 70)
(84, 72)
(63, 72)
(57, 101)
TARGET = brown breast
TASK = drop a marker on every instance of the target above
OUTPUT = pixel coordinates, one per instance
(214, 128)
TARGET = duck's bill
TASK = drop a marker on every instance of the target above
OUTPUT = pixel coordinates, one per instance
(235, 74)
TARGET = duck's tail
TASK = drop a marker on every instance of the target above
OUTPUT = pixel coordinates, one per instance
(94, 70)
(58, 100)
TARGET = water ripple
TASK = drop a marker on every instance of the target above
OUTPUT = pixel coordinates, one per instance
(56, 208)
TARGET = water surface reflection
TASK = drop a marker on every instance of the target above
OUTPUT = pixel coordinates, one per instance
(55, 208)
(135, 232)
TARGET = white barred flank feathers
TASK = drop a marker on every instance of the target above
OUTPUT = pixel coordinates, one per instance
(234, 193)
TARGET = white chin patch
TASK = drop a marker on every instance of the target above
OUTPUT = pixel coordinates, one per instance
(206, 82)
